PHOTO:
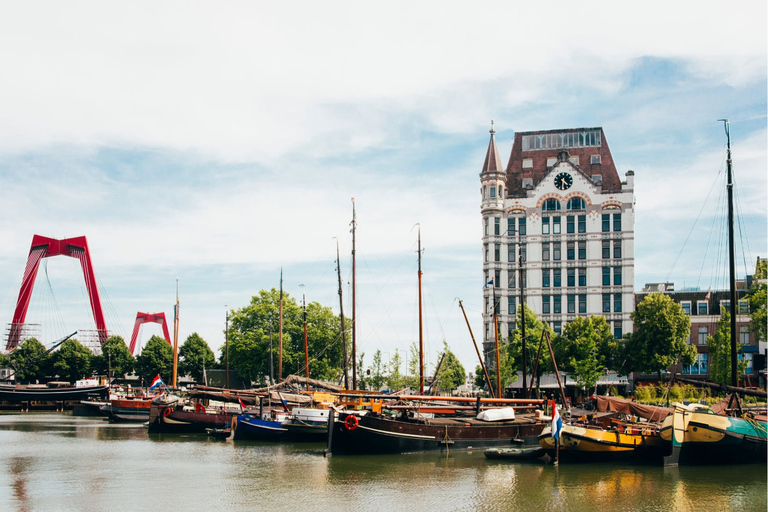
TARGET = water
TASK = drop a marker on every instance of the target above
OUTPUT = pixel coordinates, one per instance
(57, 462)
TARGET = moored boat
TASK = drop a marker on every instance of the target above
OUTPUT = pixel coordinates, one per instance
(265, 427)
(82, 390)
(128, 408)
(174, 416)
(635, 442)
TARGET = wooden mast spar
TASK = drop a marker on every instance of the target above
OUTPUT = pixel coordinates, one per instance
(421, 330)
(176, 336)
(354, 317)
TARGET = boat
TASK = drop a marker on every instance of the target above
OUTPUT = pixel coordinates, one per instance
(522, 453)
(695, 432)
(127, 408)
(219, 433)
(265, 427)
(54, 392)
(173, 415)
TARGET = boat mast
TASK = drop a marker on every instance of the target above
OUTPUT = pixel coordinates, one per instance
(421, 331)
(343, 328)
(280, 333)
(520, 260)
(226, 347)
(496, 342)
(479, 357)
(354, 316)
(306, 345)
(731, 259)
(176, 336)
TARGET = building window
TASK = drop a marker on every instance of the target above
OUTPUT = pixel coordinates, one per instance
(617, 330)
(594, 159)
(703, 334)
(556, 251)
(545, 304)
(571, 277)
(511, 326)
(606, 222)
(551, 205)
(725, 305)
(511, 253)
(617, 222)
(576, 203)
(743, 307)
(545, 226)
(527, 163)
(545, 252)
(598, 179)
(571, 304)
(606, 303)
(686, 307)
(556, 306)
(493, 191)
(496, 252)
(512, 279)
(496, 226)
(527, 183)
(523, 254)
(582, 277)
(486, 252)
(606, 249)
(545, 278)
(557, 327)
(557, 277)
(606, 276)
(555, 225)
(702, 307)
(748, 358)
(617, 276)
(570, 251)
(744, 333)
(582, 303)
(697, 368)
(510, 227)
(570, 224)
(582, 223)
(582, 250)
(511, 305)
(617, 303)
(617, 249)
(521, 226)
(486, 226)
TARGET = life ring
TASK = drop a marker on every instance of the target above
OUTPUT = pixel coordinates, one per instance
(167, 411)
(350, 423)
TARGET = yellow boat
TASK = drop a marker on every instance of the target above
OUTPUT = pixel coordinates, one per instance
(583, 442)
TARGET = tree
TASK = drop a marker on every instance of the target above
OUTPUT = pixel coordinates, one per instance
(72, 361)
(661, 328)
(451, 373)
(395, 379)
(155, 359)
(534, 328)
(586, 348)
(719, 352)
(412, 379)
(376, 377)
(194, 355)
(757, 301)
(29, 360)
(252, 326)
(115, 358)
(362, 379)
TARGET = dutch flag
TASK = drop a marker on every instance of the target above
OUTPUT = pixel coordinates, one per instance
(557, 422)
(157, 382)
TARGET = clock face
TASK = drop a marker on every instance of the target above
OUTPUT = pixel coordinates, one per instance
(563, 181)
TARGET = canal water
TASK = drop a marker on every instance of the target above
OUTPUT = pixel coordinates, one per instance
(57, 462)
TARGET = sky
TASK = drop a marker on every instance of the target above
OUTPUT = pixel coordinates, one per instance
(220, 143)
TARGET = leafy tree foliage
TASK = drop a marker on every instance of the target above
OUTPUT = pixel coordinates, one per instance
(115, 358)
(194, 355)
(72, 361)
(155, 359)
(30, 361)
(586, 348)
(661, 328)
(719, 352)
(757, 301)
(376, 372)
(249, 337)
(395, 379)
(534, 328)
(451, 373)
(362, 378)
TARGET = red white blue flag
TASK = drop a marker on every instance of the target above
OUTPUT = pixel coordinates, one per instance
(157, 382)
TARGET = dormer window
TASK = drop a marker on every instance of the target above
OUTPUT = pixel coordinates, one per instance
(527, 163)
(527, 183)
(597, 178)
(594, 159)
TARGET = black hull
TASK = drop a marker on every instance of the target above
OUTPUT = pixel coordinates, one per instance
(21, 394)
(169, 419)
(128, 414)
(745, 452)
(379, 435)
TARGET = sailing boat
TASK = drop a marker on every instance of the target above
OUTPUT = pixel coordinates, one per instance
(429, 423)
(697, 434)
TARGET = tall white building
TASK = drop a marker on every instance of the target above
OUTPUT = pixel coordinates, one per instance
(560, 211)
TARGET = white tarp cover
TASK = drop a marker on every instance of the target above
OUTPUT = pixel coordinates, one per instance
(500, 414)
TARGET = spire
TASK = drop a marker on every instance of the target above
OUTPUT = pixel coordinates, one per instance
(492, 160)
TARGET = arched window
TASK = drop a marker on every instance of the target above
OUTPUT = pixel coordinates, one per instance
(576, 203)
(551, 205)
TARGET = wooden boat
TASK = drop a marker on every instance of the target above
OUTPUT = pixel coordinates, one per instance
(219, 433)
(697, 435)
(517, 454)
(174, 416)
(128, 408)
(53, 393)
(637, 442)
(265, 427)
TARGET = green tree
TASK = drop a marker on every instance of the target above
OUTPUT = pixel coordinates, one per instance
(719, 352)
(251, 328)
(72, 361)
(115, 358)
(30, 361)
(412, 379)
(375, 375)
(395, 379)
(156, 358)
(586, 348)
(757, 301)
(362, 378)
(534, 328)
(451, 374)
(194, 355)
(661, 328)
